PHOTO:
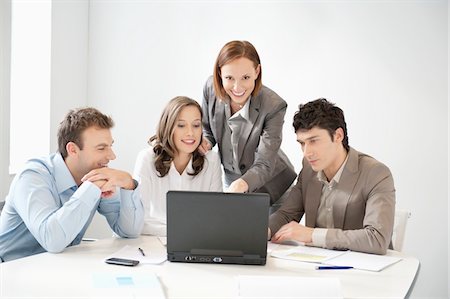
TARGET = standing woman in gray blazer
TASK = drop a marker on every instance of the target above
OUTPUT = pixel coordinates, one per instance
(245, 119)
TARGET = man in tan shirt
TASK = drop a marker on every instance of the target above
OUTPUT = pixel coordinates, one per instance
(348, 197)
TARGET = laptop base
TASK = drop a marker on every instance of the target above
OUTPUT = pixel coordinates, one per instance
(241, 260)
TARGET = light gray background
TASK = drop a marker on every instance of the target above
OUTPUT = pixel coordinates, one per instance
(385, 63)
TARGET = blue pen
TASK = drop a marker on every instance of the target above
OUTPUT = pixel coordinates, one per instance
(333, 267)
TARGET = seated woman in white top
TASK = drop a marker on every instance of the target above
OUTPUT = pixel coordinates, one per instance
(173, 162)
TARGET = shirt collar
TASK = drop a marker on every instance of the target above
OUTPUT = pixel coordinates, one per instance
(63, 178)
(189, 169)
(244, 111)
(335, 180)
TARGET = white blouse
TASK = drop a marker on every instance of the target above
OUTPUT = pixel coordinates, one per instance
(154, 188)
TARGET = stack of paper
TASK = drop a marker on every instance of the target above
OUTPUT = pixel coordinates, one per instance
(308, 254)
(363, 261)
(358, 260)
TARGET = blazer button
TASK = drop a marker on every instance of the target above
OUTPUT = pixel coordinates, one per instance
(242, 167)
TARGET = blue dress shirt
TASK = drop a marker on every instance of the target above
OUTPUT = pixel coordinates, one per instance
(45, 210)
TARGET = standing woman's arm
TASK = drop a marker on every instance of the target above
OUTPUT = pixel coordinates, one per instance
(208, 98)
(266, 154)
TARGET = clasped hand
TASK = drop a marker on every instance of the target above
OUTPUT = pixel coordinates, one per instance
(293, 231)
(108, 179)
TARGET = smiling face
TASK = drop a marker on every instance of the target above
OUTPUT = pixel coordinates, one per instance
(321, 150)
(187, 132)
(238, 79)
(96, 152)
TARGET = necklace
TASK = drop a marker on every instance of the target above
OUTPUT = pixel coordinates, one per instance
(236, 104)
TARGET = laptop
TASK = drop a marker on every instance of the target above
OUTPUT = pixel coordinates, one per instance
(215, 227)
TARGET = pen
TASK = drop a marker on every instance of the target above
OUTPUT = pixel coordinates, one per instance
(333, 267)
(142, 251)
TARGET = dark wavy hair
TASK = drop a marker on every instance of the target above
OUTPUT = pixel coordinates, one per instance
(76, 122)
(322, 114)
(162, 141)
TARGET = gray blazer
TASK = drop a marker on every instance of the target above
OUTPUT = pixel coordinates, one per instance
(363, 211)
(264, 166)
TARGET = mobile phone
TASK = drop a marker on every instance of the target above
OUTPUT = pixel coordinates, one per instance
(122, 262)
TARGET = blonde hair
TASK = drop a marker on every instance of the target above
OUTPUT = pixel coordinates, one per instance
(163, 143)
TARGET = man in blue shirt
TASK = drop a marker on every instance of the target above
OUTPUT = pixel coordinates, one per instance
(51, 202)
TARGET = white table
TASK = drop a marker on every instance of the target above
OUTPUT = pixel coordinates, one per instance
(69, 274)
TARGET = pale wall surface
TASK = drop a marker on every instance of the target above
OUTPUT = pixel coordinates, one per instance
(384, 63)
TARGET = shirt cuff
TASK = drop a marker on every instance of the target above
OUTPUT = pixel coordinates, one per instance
(130, 198)
(88, 191)
(319, 237)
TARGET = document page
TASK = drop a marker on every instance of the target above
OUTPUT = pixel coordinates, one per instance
(363, 261)
(163, 240)
(126, 285)
(153, 255)
(357, 260)
(307, 254)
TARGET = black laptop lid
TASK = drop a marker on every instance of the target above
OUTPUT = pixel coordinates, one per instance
(215, 224)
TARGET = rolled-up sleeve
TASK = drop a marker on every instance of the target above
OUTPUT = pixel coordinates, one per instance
(53, 226)
(124, 212)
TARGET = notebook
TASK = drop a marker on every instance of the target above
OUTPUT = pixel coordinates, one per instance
(215, 227)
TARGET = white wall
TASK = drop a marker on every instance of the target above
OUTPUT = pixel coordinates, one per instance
(448, 146)
(69, 75)
(385, 63)
(5, 58)
(70, 21)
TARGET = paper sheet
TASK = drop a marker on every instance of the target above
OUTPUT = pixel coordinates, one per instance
(126, 285)
(271, 247)
(307, 254)
(152, 255)
(163, 240)
(363, 261)
(358, 260)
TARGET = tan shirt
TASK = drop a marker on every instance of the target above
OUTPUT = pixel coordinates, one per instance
(325, 212)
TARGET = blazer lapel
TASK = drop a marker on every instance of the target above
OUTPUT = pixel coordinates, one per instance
(312, 200)
(345, 188)
(245, 133)
(219, 119)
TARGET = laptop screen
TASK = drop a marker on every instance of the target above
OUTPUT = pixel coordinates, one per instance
(217, 227)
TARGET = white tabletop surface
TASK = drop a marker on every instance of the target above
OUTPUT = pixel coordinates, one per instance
(69, 274)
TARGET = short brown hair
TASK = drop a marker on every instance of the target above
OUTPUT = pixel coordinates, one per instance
(163, 143)
(231, 51)
(76, 122)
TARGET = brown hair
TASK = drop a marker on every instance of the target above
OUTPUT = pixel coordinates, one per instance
(76, 122)
(162, 141)
(231, 51)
